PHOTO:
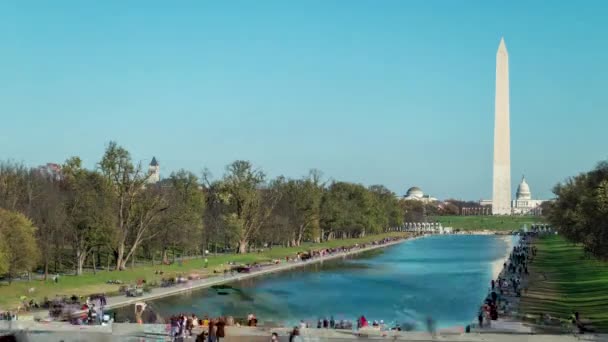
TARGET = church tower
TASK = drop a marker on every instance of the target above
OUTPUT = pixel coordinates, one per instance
(153, 172)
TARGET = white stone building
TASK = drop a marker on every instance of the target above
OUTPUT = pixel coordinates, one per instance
(523, 203)
(416, 194)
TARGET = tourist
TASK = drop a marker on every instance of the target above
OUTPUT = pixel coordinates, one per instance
(325, 323)
(294, 334)
(430, 325)
(480, 317)
(332, 323)
(212, 331)
(302, 324)
(319, 324)
(274, 337)
(220, 332)
(189, 324)
(195, 321)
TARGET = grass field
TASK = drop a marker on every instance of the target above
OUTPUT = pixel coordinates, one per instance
(499, 223)
(563, 280)
(90, 283)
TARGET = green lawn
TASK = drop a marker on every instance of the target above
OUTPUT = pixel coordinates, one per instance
(90, 283)
(563, 280)
(499, 223)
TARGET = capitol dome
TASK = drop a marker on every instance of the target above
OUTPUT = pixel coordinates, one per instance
(414, 192)
(523, 190)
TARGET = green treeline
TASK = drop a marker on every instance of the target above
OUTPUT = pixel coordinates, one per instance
(111, 215)
(580, 211)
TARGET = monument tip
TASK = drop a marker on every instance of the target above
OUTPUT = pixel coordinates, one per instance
(502, 46)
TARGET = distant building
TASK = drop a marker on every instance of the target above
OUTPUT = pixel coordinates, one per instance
(51, 171)
(523, 203)
(154, 172)
(416, 194)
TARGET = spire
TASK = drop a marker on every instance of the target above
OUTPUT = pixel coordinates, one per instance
(153, 162)
(502, 47)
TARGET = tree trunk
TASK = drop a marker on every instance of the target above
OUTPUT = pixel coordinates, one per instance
(81, 257)
(165, 257)
(94, 264)
(300, 235)
(243, 246)
(120, 264)
(46, 269)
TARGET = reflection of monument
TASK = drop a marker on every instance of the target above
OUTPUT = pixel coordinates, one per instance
(501, 191)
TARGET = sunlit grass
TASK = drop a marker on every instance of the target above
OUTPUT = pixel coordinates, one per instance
(565, 280)
(499, 223)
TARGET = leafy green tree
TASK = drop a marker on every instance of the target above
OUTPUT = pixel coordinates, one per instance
(136, 207)
(302, 199)
(19, 243)
(580, 210)
(249, 200)
(181, 225)
(347, 211)
(90, 204)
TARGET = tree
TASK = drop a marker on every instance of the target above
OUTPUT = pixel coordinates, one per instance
(580, 211)
(19, 243)
(347, 210)
(181, 225)
(136, 207)
(302, 199)
(248, 199)
(89, 205)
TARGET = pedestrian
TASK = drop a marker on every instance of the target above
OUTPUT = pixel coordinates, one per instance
(295, 332)
(212, 331)
(220, 333)
(274, 337)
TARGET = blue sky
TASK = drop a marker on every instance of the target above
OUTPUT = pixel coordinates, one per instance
(399, 93)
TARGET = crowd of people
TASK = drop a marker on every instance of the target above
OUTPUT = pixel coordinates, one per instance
(213, 329)
(507, 288)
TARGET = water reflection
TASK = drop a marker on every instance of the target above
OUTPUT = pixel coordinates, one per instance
(444, 277)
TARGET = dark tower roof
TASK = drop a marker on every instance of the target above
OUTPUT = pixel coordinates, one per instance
(153, 162)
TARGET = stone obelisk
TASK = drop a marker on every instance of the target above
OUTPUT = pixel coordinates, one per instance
(501, 195)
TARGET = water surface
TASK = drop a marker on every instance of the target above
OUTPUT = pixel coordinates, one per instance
(445, 277)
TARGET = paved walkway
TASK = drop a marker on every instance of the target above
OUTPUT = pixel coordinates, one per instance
(34, 331)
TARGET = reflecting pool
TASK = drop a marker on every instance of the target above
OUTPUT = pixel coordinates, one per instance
(445, 277)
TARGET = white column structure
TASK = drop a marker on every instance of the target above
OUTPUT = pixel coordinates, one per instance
(501, 194)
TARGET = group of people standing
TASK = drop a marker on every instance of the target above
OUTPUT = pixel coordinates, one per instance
(213, 328)
(509, 283)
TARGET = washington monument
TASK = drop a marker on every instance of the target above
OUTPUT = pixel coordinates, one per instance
(501, 194)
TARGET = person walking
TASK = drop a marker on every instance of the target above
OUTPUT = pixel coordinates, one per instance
(220, 333)
(212, 331)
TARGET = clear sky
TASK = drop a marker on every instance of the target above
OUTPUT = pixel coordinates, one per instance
(399, 93)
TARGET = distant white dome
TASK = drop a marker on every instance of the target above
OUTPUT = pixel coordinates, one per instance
(523, 190)
(414, 192)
